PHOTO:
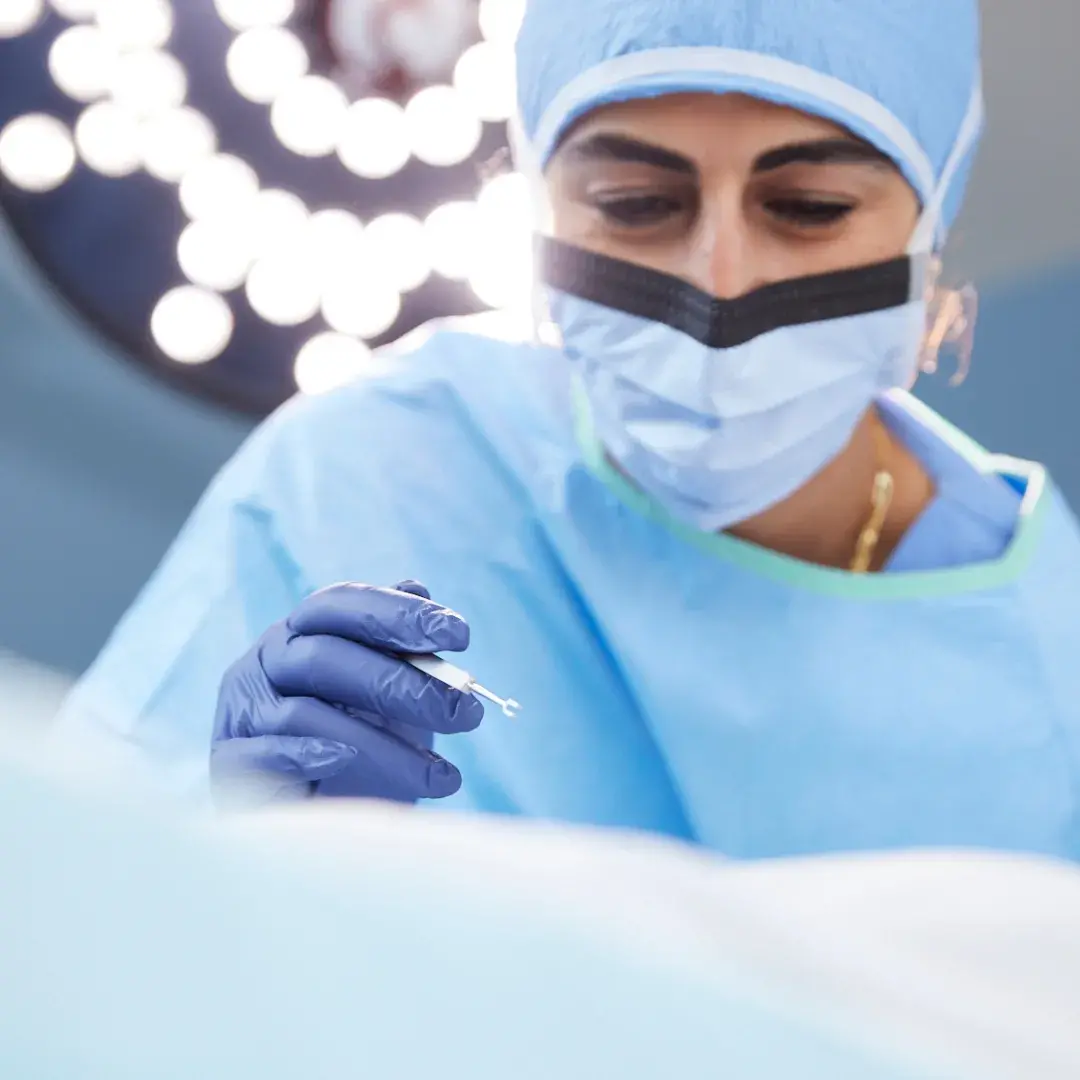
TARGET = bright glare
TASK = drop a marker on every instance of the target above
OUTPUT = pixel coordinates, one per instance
(397, 245)
(374, 140)
(500, 20)
(75, 10)
(108, 139)
(336, 240)
(214, 254)
(275, 220)
(192, 325)
(308, 115)
(149, 81)
(502, 273)
(81, 62)
(263, 61)
(485, 78)
(360, 302)
(136, 24)
(245, 14)
(328, 361)
(451, 232)
(219, 187)
(240, 233)
(175, 141)
(36, 152)
(19, 16)
(283, 288)
(442, 128)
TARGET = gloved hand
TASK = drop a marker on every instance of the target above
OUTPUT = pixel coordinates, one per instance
(320, 706)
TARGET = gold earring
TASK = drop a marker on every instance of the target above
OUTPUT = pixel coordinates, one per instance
(951, 318)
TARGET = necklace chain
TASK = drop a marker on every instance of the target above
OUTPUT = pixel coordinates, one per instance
(881, 497)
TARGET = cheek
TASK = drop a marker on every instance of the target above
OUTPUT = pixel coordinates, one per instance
(891, 225)
(872, 236)
(895, 232)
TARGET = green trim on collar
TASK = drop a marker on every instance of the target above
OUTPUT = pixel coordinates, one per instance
(833, 582)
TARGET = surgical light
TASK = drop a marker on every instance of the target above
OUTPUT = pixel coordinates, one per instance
(81, 61)
(335, 239)
(37, 152)
(360, 302)
(215, 254)
(192, 325)
(430, 84)
(442, 128)
(261, 62)
(283, 287)
(330, 360)
(396, 243)
(19, 16)
(75, 10)
(451, 231)
(135, 24)
(374, 138)
(148, 81)
(247, 14)
(108, 139)
(275, 219)
(219, 187)
(502, 271)
(500, 21)
(485, 79)
(174, 141)
(308, 115)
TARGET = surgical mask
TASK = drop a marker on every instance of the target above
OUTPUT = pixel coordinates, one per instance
(719, 409)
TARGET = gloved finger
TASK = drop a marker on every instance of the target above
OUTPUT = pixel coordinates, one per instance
(273, 768)
(385, 619)
(342, 672)
(379, 752)
(415, 588)
(296, 758)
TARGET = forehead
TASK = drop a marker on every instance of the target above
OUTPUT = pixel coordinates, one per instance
(697, 124)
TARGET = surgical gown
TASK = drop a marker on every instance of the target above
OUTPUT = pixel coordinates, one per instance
(674, 681)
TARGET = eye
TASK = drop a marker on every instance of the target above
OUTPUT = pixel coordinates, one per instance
(809, 212)
(640, 210)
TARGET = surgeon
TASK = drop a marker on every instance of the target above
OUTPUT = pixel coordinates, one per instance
(749, 592)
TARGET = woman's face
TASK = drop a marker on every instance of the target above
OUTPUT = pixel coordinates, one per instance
(727, 192)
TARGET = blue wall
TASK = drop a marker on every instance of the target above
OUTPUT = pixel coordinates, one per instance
(99, 465)
(1023, 395)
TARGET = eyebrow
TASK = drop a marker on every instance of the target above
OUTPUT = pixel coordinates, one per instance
(621, 148)
(607, 147)
(823, 152)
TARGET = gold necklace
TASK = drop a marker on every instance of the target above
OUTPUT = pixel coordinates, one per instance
(881, 497)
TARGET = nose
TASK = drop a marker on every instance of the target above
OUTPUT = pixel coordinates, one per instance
(726, 261)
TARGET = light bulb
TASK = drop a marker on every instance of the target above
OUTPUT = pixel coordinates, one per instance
(108, 139)
(192, 325)
(374, 139)
(37, 152)
(442, 129)
(331, 360)
(18, 17)
(260, 63)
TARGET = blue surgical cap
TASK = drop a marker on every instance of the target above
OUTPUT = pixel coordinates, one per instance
(902, 74)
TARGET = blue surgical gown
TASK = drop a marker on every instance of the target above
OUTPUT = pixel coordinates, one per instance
(674, 681)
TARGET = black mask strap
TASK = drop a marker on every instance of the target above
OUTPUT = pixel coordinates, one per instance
(724, 324)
